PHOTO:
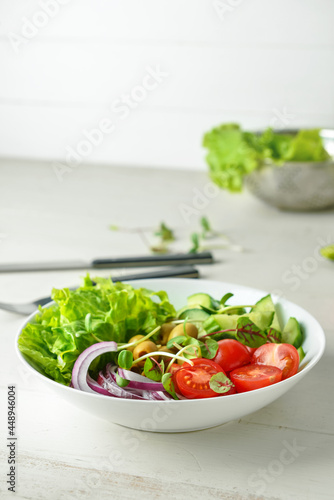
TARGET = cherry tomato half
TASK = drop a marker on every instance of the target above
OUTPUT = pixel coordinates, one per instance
(251, 377)
(174, 368)
(283, 356)
(231, 354)
(251, 350)
(194, 381)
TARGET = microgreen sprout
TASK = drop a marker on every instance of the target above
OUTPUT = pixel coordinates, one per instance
(159, 365)
(166, 237)
(160, 353)
(153, 369)
(195, 239)
(180, 352)
(206, 227)
(165, 233)
(133, 344)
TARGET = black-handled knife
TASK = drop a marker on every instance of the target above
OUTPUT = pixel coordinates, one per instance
(114, 263)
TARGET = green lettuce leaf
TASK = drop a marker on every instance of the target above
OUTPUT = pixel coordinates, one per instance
(233, 153)
(307, 146)
(230, 157)
(104, 312)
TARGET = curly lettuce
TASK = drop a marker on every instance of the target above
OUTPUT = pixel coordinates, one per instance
(102, 312)
(234, 153)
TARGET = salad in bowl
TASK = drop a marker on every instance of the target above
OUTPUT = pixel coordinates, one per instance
(218, 345)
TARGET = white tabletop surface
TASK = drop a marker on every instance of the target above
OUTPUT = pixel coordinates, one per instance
(64, 453)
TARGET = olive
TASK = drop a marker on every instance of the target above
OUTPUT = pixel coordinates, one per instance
(165, 330)
(189, 329)
(134, 339)
(144, 348)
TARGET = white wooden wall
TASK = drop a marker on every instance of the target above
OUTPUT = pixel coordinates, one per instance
(257, 62)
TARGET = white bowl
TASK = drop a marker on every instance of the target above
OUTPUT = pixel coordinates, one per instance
(191, 415)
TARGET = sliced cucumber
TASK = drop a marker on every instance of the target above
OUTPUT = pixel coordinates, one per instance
(266, 304)
(262, 319)
(185, 308)
(202, 299)
(194, 314)
(237, 310)
(218, 322)
(301, 354)
(292, 333)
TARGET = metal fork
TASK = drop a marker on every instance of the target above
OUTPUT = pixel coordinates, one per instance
(171, 272)
(24, 308)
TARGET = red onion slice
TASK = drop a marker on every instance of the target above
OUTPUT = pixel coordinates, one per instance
(139, 387)
(82, 364)
(143, 392)
(96, 386)
(113, 389)
(136, 381)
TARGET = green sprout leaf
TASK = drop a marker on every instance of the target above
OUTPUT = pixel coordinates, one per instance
(179, 340)
(209, 348)
(193, 348)
(125, 359)
(249, 334)
(165, 233)
(166, 237)
(328, 252)
(220, 383)
(121, 382)
(168, 385)
(153, 370)
(195, 243)
(273, 336)
(206, 227)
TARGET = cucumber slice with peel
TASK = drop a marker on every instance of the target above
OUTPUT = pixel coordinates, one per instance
(202, 299)
(194, 314)
(218, 322)
(292, 333)
(301, 354)
(262, 319)
(266, 304)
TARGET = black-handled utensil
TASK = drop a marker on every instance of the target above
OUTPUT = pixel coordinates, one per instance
(171, 272)
(113, 263)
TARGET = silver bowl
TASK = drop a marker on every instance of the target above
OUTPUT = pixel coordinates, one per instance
(296, 185)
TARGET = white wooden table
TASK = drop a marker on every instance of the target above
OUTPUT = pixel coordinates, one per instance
(63, 453)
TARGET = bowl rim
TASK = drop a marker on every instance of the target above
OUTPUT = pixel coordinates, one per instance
(300, 374)
(268, 163)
